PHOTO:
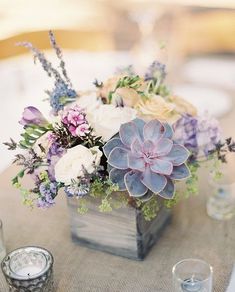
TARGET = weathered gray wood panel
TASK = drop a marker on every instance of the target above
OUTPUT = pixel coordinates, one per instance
(122, 232)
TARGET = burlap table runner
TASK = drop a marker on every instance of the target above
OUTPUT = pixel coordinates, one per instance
(191, 234)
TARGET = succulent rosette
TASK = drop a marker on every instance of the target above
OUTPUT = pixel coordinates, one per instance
(145, 159)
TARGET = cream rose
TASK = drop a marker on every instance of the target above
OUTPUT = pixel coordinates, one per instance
(71, 164)
(107, 119)
(129, 96)
(182, 106)
(157, 108)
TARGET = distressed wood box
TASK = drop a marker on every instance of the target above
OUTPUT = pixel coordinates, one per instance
(123, 232)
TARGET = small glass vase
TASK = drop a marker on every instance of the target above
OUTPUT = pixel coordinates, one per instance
(221, 202)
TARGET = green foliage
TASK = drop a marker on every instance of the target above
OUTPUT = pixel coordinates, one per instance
(82, 208)
(149, 208)
(216, 169)
(128, 82)
(100, 189)
(171, 203)
(105, 192)
(192, 181)
(105, 205)
(31, 134)
(156, 87)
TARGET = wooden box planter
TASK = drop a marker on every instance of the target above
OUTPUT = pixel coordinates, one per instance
(123, 232)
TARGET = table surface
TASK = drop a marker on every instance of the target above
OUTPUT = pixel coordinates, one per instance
(191, 234)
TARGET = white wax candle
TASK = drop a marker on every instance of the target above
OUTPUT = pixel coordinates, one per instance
(29, 271)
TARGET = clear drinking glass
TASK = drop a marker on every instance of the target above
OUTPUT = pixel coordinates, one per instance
(2, 245)
(192, 275)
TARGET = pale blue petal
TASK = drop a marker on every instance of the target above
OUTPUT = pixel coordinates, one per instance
(153, 181)
(118, 158)
(117, 177)
(133, 184)
(162, 166)
(137, 148)
(135, 162)
(140, 126)
(111, 144)
(153, 130)
(128, 133)
(169, 190)
(180, 172)
(148, 146)
(178, 155)
(168, 131)
(163, 146)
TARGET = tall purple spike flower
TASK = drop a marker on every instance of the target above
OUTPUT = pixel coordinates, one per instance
(145, 158)
(33, 116)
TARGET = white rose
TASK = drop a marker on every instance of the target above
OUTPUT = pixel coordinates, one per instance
(107, 119)
(88, 101)
(71, 164)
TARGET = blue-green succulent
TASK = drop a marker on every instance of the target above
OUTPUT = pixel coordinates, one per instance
(144, 159)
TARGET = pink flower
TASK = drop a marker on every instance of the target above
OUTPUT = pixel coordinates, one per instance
(75, 120)
(82, 130)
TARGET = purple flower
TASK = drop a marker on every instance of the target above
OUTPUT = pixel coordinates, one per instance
(146, 159)
(48, 191)
(75, 120)
(32, 116)
(53, 155)
(156, 71)
(198, 134)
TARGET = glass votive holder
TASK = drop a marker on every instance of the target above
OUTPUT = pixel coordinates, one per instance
(192, 275)
(2, 244)
(29, 269)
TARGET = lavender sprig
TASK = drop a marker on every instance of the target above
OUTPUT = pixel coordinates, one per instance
(60, 56)
(46, 65)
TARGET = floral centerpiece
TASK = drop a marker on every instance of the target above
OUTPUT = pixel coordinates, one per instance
(130, 140)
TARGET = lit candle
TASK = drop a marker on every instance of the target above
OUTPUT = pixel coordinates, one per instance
(29, 268)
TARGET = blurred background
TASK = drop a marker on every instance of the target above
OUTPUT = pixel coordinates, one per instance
(196, 40)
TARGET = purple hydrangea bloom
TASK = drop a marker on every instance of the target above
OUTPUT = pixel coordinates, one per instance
(198, 134)
(144, 159)
(48, 191)
(32, 116)
(61, 95)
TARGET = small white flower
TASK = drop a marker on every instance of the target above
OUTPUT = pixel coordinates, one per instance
(107, 119)
(43, 142)
(71, 164)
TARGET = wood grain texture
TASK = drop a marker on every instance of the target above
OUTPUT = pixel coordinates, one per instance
(123, 232)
